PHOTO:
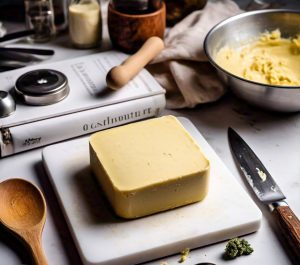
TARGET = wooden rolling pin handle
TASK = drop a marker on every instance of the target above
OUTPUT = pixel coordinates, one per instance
(120, 75)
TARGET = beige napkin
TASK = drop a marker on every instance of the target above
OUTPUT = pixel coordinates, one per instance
(182, 67)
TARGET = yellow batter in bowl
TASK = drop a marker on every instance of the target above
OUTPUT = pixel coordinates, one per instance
(270, 59)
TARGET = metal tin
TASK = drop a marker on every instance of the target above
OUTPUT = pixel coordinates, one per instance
(42, 87)
(7, 104)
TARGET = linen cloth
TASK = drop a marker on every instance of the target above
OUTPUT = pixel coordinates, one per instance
(182, 67)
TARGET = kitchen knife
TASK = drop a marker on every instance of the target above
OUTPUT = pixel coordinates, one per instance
(267, 191)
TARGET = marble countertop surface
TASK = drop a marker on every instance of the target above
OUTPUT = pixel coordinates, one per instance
(273, 136)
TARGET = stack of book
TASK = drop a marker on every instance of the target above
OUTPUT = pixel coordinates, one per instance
(89, 107)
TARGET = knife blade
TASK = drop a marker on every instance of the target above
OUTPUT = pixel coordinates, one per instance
(266, 190)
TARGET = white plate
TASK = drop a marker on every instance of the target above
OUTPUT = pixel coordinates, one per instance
(102, 238)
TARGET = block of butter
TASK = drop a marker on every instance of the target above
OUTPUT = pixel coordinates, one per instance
(149, 166)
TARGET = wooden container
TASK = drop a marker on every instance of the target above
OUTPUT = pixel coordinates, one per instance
(128, 32)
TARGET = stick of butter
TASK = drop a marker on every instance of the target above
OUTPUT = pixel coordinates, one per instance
(149, 166)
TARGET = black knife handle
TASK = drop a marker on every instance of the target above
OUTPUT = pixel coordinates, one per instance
(17, 35)
(290, 228)
(45, 52)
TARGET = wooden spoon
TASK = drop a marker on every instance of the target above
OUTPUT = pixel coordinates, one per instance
(23, 211)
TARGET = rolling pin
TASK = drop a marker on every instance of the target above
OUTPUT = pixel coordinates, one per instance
(120, 75)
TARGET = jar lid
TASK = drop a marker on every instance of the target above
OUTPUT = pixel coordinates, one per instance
(42, 87)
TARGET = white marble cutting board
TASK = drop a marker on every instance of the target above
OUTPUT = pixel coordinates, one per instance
(102, 238)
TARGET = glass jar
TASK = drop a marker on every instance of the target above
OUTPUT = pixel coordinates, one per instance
(40, 17)
(177, 10)
(60, 8)
(85, 23)
(2, 30)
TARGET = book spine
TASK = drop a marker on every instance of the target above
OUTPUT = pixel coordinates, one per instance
(36, 134)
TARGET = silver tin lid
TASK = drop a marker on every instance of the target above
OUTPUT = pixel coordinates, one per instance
(7, 104)
(42, 87)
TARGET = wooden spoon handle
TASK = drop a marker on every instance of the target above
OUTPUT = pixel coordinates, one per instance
(290, 226)
(38, 252)
(120, 75)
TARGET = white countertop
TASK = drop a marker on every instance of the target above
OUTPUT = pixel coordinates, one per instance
(274, 137)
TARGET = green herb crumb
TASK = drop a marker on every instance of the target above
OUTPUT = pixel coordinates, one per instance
(237, 247)
(184, 255)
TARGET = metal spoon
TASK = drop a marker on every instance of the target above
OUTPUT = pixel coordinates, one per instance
(7, 104)
(23, 211)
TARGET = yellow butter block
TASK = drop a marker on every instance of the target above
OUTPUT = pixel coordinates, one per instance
(149, 166)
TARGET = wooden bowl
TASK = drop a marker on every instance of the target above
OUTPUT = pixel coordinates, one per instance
(128, 32)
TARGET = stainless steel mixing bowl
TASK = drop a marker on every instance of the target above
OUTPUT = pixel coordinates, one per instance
(238, 30)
